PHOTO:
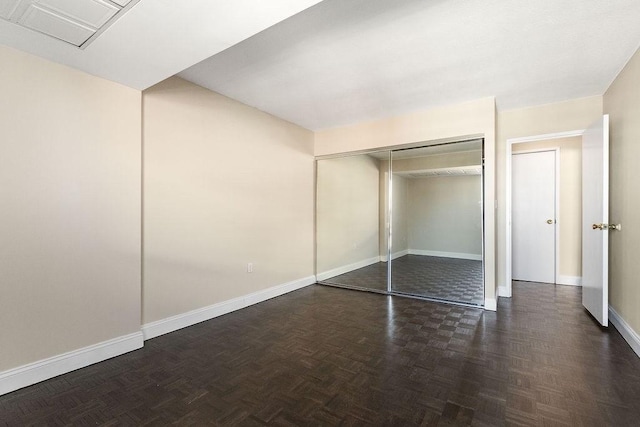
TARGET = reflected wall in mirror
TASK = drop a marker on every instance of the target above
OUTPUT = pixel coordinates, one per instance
(437, 222)
(348, 229)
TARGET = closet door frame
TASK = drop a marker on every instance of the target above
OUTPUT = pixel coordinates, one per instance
(388, 229)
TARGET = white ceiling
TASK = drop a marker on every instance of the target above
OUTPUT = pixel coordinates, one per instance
(345, 61)
(156, 38)
(342, 62)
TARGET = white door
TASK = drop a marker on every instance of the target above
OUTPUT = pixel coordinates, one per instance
(595, 219)
(533, 216)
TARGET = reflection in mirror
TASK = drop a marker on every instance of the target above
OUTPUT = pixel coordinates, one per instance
(437, 222)
(348, 233)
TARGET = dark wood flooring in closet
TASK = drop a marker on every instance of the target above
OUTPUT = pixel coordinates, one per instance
(328, 356)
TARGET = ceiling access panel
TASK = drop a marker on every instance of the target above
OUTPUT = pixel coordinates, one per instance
(72, 21)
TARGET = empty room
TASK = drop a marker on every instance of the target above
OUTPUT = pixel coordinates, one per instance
(355, 212)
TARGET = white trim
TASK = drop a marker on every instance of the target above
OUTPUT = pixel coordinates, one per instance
(556, 220)
(395, 255)
(276, 291)
(627, 332)
(173, 323)
(459, 255)
(347, 268)
(490, 304)
(509, 143)
(605, 219)
(503, 291)
(44, 369)
(546, 136)
(569, 280)
(535, 150)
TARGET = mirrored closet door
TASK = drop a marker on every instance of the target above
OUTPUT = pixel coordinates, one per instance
(404, 222)
(437, 222)
(350, 235)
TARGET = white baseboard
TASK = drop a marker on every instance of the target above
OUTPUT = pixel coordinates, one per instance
(627, 332)
(569, 280)
(347, 268)
(173, 323)
(503, 291)
(490, 304)
(395, 255)
(33, 373)
(459, 255)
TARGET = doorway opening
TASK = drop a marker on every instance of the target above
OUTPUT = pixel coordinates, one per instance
(544, 176)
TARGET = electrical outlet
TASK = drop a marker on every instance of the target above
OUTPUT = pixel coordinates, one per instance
(250, 267)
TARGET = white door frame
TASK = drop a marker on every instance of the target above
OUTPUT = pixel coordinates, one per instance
(506, 291)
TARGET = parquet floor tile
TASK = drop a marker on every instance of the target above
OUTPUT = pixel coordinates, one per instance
(326, 356)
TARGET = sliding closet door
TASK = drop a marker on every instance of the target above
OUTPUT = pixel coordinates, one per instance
(437, 222)
(350, 226)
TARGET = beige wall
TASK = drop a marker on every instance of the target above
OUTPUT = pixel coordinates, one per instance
(383, 212)
(570, 218)
(423, 199)
(456, 122)
(70, 169)
(347, 211)
(224, 185)
(446, 214)
(572, 115)
(461, 120)
(399, 209)
(622, 103)
(400, 215)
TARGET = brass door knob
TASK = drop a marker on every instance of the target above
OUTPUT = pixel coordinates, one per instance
(549, 221)
(607, 227)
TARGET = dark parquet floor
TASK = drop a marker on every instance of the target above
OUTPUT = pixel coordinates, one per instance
(328, 356)
(448, 279)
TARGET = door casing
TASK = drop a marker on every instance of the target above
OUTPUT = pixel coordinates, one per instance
(506, 290)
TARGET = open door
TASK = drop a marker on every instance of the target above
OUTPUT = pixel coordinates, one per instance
(595, 220)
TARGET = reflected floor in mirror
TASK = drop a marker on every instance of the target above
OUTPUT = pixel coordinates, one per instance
(449, 279)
